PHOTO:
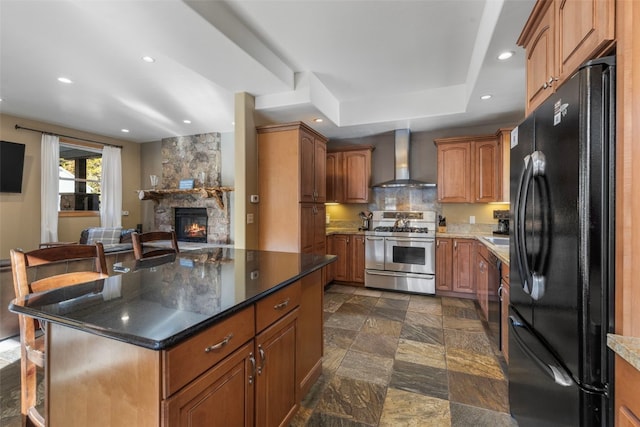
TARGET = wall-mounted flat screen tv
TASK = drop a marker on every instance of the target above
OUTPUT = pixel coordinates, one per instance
(11, 167)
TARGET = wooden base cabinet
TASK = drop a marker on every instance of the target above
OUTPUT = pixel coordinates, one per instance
(463, 271)
(246, 370)
(444, 264)
(223, 396)
(310, 321)
(455, 267)
(276, 383)
(349, 267)
(258, 377)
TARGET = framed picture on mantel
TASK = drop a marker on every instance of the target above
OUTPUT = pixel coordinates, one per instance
(186, 184)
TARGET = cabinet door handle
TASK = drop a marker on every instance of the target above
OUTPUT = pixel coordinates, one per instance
(549, 83)
(281, 305)
(455, 244)
(263, 359)
(252, 360)
(221, 344)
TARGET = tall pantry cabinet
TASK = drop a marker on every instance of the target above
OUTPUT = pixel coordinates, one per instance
(292, 188)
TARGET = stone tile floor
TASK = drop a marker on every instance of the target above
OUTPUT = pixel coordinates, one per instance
(391, 359)
(394, 359)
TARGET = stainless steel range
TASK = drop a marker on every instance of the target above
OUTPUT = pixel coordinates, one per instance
(400, 251)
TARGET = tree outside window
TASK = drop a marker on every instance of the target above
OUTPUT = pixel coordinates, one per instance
(80, 171)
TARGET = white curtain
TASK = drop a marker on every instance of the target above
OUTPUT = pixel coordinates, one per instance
(50, 153)
(111, 204)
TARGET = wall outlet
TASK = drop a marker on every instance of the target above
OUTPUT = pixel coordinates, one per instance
(125, 213)
(472, 219)
(250, 218)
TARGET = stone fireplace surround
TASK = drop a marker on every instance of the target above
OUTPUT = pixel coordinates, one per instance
(185, 157)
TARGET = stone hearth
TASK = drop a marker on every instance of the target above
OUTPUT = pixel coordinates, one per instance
(187, 157)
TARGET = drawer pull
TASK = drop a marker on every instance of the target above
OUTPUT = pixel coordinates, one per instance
(282, 305)
(221, 344)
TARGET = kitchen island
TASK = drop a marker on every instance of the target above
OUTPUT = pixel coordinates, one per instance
(207, 337)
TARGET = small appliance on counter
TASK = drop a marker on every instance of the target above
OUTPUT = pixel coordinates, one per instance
(503, 222)
(365, 217)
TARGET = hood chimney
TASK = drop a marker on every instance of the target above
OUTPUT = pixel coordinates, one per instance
(401, 172)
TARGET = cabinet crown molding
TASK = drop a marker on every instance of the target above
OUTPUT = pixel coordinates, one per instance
(530, 27)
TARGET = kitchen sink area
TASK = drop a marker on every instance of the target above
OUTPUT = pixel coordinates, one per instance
(498, 241)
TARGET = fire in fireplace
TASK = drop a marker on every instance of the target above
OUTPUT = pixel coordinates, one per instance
(191, 224)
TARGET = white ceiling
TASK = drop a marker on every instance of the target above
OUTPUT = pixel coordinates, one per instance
(365, 66)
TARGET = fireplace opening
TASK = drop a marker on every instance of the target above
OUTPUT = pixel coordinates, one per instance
(191, 224)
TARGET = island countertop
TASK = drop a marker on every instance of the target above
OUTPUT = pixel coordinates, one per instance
(157, 304)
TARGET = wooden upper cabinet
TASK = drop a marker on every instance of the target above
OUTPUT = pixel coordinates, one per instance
(561, 35)
(349, 174)
(488, 170)
(585, 28)
(470, 169)
(454, 171)
(538, 39)
(334, 177)
(292, 188)
(320, 169)
(313, 153)
(503, 136)
(357, 173)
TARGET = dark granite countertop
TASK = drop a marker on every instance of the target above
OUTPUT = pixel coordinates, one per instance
(157, 304)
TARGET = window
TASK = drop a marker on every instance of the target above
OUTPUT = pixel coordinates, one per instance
(80, 171)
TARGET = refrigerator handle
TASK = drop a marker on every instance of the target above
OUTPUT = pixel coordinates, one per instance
(533, 280)
(546, 221)
(520, 209)
(558, 373)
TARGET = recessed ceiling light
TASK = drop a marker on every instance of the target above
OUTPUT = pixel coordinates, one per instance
(505, 55)
(485, 97)
(318, 120)
(148, 59)
(64, 80)
(186, 121)
(124, 130)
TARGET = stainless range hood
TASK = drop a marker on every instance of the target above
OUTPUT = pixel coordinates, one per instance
(402, 178)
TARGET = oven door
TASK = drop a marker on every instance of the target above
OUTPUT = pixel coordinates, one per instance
(410, 254)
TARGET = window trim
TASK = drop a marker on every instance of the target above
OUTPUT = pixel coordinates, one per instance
(88, 146)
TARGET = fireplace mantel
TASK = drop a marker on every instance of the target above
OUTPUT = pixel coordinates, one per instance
(206, 192)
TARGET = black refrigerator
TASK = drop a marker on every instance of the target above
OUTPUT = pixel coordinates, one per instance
(562, 255)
